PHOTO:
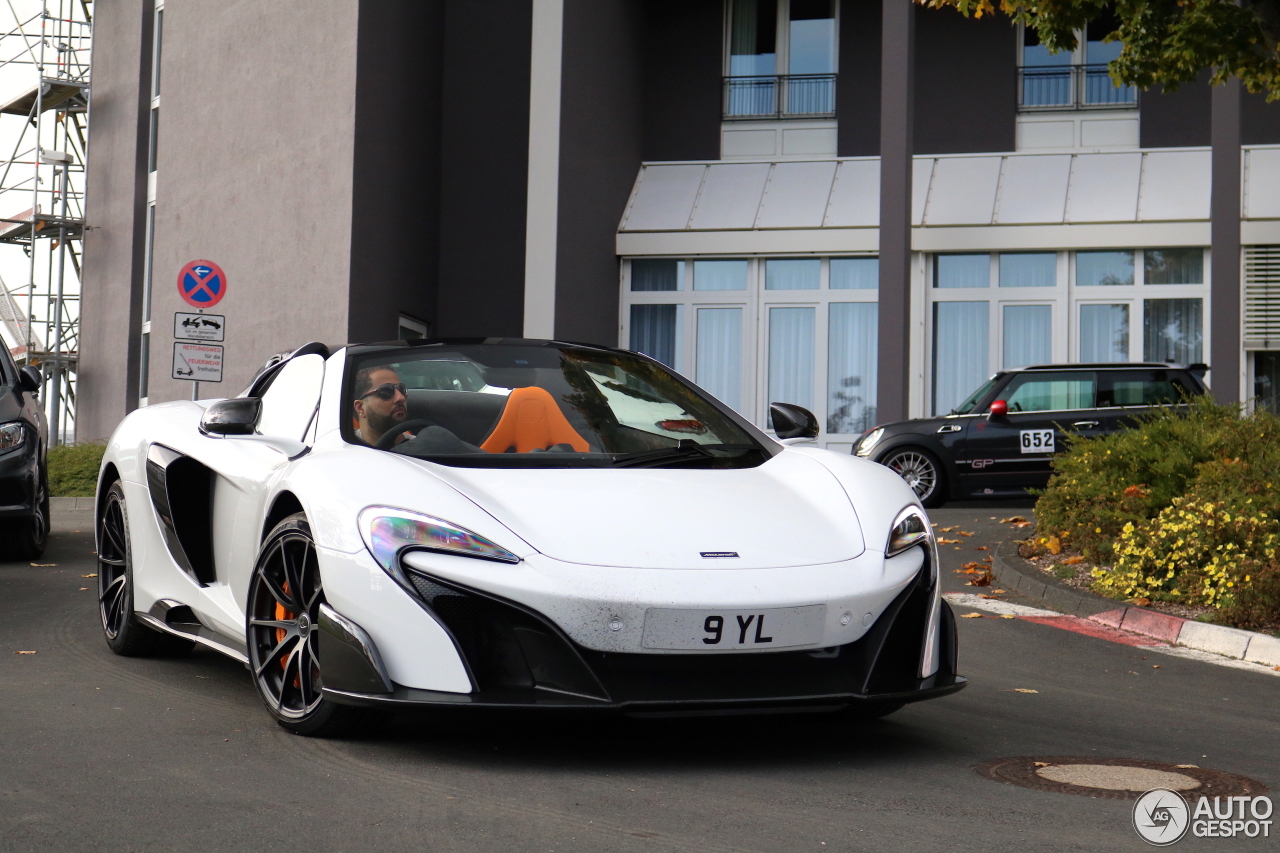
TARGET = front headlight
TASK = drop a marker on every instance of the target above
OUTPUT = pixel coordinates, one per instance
(869, 441)
(12, 436)
(910, 528)
(387, 531)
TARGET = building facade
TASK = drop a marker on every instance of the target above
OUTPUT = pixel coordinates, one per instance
(700, 180)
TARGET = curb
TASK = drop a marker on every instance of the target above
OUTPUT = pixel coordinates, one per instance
(1016, 576)
(68, 504)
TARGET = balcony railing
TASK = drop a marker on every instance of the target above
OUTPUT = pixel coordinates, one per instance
(1071, 87)
(791, 96)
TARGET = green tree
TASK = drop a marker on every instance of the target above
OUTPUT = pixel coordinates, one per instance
(1165, 41)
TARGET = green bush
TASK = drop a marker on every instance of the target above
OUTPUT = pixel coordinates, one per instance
(73, 469)
(1182, 508)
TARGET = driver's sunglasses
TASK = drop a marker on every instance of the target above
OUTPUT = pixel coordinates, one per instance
(386, 391)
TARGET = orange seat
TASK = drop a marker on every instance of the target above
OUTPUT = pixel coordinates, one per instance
(532, 420)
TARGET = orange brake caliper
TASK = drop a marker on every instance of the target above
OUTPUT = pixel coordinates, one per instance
(283, 615)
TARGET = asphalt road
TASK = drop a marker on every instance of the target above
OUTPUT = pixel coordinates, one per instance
(100, 752)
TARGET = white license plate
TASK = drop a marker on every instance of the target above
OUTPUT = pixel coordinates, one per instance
(732, 629)
(1036, 440)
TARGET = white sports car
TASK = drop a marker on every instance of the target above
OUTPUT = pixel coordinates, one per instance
(515, 523)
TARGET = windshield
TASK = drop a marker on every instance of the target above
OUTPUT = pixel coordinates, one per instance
(520, 406)
(970, 402)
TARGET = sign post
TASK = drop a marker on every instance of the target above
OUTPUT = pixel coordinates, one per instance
(201, 284)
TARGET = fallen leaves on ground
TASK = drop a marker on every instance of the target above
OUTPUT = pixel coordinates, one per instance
(1042, 763)
(44, 565)
(24, 653)
(983, 579)
(1140, 602)
(948, 541)
(94, 575)
(966, 532)
(949, 529)
(993, 596)
(1008, 616)
(1155, 666)
(1188, 766)
(84, 589)
(1013, 519)
(1073, 561)
(982, 548)
(965, 616)
(1024, 690)
(1054, 545)
(997, 592)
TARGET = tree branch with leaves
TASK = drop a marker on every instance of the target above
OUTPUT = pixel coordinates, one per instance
(1169, 42)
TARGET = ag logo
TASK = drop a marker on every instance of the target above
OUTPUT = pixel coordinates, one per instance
(1161, 817)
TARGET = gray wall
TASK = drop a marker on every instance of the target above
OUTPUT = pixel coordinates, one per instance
(966, 83)
(682, 64)
(116, 210)
(484, 183)
(600, 148)
(1259, 121)
(395, 233)
(1175, 119)
(255, 173)
(858, 86)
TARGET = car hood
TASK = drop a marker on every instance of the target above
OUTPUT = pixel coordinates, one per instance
(790, 511)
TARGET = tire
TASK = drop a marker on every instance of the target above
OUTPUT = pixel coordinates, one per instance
(27, 538)
(285, 594)
(922, 471)
(125, 633)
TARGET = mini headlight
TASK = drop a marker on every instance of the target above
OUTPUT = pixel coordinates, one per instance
(910, 528)
(11, 436)
(869, 441)
(386, 531)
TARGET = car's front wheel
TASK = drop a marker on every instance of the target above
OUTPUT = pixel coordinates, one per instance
(285, 595)
(921, 470)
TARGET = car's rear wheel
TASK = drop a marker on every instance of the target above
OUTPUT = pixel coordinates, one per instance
(26, 539)
(125, 633)
(285, 595)
(921, 470)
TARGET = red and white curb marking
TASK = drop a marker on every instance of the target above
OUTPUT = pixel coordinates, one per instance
(1153, 631)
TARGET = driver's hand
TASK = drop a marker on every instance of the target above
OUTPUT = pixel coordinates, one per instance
(402, 437)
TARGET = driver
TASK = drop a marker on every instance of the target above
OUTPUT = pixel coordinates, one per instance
(382, 406)
(381, 403)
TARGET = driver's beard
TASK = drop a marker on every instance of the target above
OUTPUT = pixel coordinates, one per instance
(382, 424)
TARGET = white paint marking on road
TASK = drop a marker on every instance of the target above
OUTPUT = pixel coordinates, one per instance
(990, 605)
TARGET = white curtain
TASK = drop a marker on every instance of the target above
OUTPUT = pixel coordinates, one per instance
(1028, 335)
(852, 347)
(791, 356)
(1104, 333)
(1029, 269)
(802, 274)
(1171, 330)
(962, 271)
(855, 273)
(719, 360)
(960, 346)
(719, 275)
(652, 274)
(653, 332)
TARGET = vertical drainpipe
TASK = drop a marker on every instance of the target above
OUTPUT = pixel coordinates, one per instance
(1224, 290)
(543, 194)
(897, 135)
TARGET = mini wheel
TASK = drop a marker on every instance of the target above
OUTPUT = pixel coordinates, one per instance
(921, 470)
(125, 633)
(285, 594)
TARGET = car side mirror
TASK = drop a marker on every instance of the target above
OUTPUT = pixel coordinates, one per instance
(29, 379)
(793, 421)
(999, 409)
(237, 416)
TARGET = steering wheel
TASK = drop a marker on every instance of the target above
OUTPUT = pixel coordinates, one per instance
(388, 439)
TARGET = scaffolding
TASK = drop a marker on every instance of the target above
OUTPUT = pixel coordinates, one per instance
(44, 110)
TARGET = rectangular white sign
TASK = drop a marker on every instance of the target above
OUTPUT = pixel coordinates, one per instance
(197, 362)
(1036, 440)
(199, 327)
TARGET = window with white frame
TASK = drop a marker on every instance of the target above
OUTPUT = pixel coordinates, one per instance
(781, 60)
(1072, 79)
(752, 331)
(994, 311)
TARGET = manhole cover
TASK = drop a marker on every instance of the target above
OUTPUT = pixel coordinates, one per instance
(1116, 778)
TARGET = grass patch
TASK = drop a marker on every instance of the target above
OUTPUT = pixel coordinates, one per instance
(73, 469)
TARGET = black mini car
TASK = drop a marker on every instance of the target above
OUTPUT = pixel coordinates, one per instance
(1000, 440)
(24, 477)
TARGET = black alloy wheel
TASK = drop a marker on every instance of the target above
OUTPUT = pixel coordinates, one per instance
(27, 538)
(283, 634)
(125, 633)
(922, 472)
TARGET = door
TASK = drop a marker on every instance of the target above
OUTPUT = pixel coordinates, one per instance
(1007, 455)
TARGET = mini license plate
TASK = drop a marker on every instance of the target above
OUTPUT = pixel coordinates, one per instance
(1036, 440)
(732, 629)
